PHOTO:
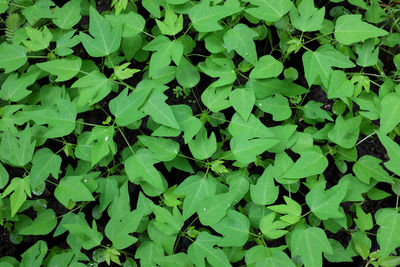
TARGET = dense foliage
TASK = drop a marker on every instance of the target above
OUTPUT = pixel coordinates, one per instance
(200, 133)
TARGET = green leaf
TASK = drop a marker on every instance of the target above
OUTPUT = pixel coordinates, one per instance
(118, 229)
(218, 67)
(106, 39)
(389, 118)
(140, 166)
(12, 56)
(167, 223)
(363, 220)
(216, 98)
(240, 38)
(393, 150)
(234, 228)
(20, 190)
(264, 192)
(34, 255)
(350, 29)
(163, 149)
(277, 258)
(92, 88)
(186, 74)
(272, 86)
(188, 123)
(319, 64)
(102, 142)
(242, 100)
(369, 167)
(272, 228)
(245, 151)
(339, 254)
(195, 189)
(43, 224)
(148, 251)
(4, 176)
(214, 208)
(203, 248)
(389, 225)
(65, 42)
(61, 118)
(65, 68)
(87, 237)
(292, 209)
(203, 147)
(266, 67)
(339, 86)
(269, 10)
(306, 17)
(39, 40)
(44, 163)
(251, 128)
(41, 9)
(345, 132)
(166, 50)
(277, 105)
(172, 24)
(14, 88)
(17, 149)
(205, 18)
(160, 111)
(132, 23)
(71, 190)
(313, 111)
(311, 162)
(367, 56)
(108, 189)
(309, 244)
(126, 108)
(68, 15)
(325, 204)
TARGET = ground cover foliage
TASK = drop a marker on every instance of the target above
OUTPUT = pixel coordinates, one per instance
(200, 133)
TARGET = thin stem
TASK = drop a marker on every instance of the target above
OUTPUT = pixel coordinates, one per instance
(126, 140)
(365, 138)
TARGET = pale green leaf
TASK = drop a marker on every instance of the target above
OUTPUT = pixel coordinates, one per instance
(240, 38)
(12, 56)
(389, 227)
(205, 17)
(309, 244)
(242, 100)
(351, 29)
(106, 39)
(203, 147)
(325, 204)
(234, 228)
(266, 67)
(65, 68)
(196, 189)
(345, 132)
(269, 10)
(264, 192)
(368, 167)
(71, 190)
(277, 105)
(68, 15)
(306, 17)
(44, 163)
(43, 224)
(389, 115)
(203, 248)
